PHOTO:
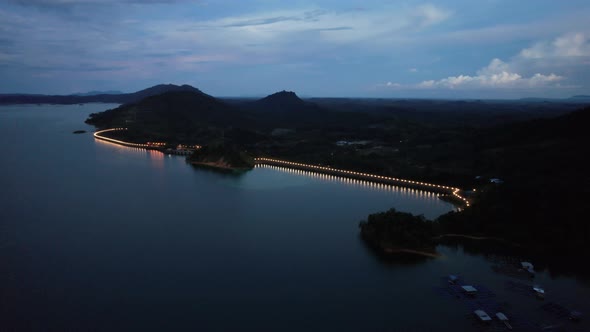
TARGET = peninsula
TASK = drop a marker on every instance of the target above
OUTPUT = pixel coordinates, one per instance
(222, 157)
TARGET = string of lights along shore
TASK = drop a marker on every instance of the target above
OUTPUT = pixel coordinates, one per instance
(98, 135)
(261, 160)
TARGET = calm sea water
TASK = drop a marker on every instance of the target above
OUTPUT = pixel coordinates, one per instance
(98, 237)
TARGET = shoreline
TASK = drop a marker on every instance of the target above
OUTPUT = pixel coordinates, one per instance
(218, 166)
(453, 195)
(477, 238)
(391, 251)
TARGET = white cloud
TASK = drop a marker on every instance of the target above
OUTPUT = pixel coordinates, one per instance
(569, 45)
(429, 15)
(496, 75)
(314, 26)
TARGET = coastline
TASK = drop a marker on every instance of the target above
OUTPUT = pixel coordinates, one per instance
(393, 251)
(452, 194)
(477, 238)
(218, 166)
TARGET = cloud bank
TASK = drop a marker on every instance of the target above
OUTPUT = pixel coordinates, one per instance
(496, 75)
(319, 48)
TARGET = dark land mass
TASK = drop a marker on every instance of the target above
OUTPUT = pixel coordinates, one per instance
(541, 202)
(394, 232)
(581, 97)
(95, 93)
(537, 149)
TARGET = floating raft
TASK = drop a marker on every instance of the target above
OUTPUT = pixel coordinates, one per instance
(561, 312)
(483, 300)
(524, 289)
(460, 290)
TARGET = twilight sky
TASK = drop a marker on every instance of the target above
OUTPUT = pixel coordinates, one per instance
(445, 48)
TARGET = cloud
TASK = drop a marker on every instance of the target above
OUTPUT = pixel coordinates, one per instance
(308, 16)
(428, 14)
(569, 45)
(495, 75)
(269, 42)
(316, 25)
(65, 3)
(112, 31)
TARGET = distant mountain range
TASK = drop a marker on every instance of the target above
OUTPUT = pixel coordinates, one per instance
(277, 102)
(91, 97)
(578, 97)
(188, 113)
(94, 93)
(280, 102)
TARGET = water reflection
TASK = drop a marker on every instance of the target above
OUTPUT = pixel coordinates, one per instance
(124, 149)
(394, 260)
(155, 157)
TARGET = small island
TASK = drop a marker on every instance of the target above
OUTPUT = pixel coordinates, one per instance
(223, 158)
(394, 232)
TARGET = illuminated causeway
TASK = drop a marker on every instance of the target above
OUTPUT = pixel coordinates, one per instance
(423, 194)
(456, 192)
(99, 135)
(367, 177)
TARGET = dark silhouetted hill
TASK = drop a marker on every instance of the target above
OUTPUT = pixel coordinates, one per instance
(284, 101)
(173, 108)
(174, 116)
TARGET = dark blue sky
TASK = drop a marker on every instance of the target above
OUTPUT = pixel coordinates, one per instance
(449, 49)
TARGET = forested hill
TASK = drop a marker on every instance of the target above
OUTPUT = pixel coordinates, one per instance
(552, 148)
(281, 102)
(543, 200)
(181, 114)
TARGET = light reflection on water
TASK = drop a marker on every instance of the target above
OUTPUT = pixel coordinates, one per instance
(355, 183)
(157, 160)
(155, 157)
(124, 149)
(254, 179)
